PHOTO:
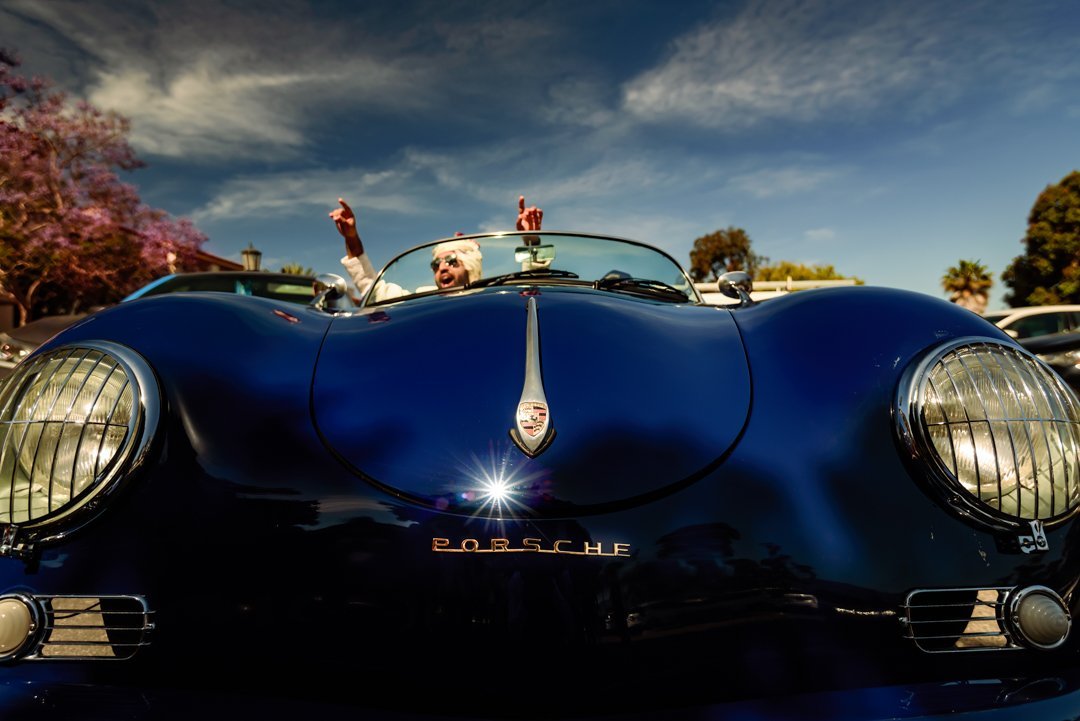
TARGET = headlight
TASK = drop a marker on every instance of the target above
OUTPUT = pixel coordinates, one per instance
(73, 422)
(998, 429)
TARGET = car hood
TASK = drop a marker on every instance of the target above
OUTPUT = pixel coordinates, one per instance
(419, 398)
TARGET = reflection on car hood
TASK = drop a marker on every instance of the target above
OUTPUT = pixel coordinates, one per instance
(419, 397)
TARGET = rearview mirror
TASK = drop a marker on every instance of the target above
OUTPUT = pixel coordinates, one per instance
(535, 254)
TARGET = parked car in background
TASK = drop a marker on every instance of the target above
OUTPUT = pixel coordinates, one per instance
(288, 287)
(19, 342)
(1036, 320)
(291, 288)
(564, 487)
(1061, 351)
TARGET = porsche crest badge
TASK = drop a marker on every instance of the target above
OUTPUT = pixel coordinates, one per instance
(532, 418)
(532, 431)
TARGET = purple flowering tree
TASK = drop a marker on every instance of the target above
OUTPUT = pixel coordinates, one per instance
(72, 234)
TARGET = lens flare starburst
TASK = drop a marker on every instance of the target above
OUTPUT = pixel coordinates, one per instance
(499, 489)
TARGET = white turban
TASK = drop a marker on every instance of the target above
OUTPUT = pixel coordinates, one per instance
(468, 253)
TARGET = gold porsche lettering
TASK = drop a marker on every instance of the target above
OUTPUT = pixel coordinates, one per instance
(532, 545)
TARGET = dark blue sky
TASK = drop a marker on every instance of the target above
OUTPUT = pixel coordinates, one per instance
(889, 139)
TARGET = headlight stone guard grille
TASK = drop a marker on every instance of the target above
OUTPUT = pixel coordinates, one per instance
(997, 430)
(74, 421)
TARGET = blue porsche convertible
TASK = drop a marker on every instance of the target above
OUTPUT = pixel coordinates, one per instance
(534, 475)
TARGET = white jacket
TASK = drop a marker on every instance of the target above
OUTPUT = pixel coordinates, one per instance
(363, 274)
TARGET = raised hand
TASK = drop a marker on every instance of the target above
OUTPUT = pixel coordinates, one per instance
(528, 218)
(345, 221)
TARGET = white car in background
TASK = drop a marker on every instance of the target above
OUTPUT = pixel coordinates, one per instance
(1036, 320)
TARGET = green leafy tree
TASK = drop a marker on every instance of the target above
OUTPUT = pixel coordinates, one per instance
(968, 284)
(1048, 273)
(296, 269)
(785, 269)
(722, 251)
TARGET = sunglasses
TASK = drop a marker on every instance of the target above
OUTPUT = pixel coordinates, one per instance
(450, 259)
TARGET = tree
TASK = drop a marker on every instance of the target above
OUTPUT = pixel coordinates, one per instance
(721, 251)
(797, 271)
(968, 284)
(1048, 273)
(71, 233)
(296, 269)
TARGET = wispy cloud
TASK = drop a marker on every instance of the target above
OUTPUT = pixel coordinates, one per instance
(543, 167)
(801, 61)
(211, 109)
(772, 182)
(201, 113)
(579, 101)
(290, 194)
(420, 183)
(198, 79)
(818, 235)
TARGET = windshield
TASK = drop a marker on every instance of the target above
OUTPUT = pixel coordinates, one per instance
(548, 258)
(287, 288)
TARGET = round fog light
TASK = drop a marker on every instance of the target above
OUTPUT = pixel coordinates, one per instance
(16, 624)
(1040, 616)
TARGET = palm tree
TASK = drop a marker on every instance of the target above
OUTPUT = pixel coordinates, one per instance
(296, 269)
(968, 284)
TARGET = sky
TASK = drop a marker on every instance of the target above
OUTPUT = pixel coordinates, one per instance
(887, 139)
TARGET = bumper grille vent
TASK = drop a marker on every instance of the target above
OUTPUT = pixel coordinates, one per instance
(92, 627)
(959, 619)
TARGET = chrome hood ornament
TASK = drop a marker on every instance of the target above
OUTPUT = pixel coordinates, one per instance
(533, 430)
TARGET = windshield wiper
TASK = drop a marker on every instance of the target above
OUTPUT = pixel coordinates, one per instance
(642, 286)
(522, 275)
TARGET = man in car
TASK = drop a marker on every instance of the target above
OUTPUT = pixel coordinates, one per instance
(453, 263)
(456, 262)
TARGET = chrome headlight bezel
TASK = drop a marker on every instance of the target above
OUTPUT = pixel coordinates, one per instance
(999, 441)
(67, 402)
